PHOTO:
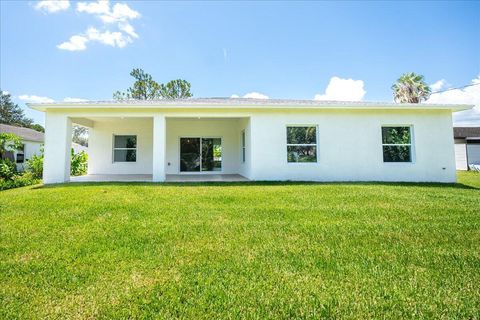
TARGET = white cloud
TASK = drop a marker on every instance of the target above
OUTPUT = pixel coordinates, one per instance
(120, 12)
(339, 89)
(35, 99)
(250, 95)
(68, 99)
(114, 39)
(128, 29)
(438, 85)
(467, 95)
(255, 95)
(52, 6)
(76, 43)
(99, 7)
(5, 92)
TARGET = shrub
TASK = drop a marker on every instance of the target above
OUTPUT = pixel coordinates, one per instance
(78, 165)
(7, 169)
(18, 180)
(35, 166)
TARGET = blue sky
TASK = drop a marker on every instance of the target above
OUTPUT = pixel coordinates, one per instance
(302, 50)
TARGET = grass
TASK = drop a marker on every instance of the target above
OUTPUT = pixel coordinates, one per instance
(258, 250)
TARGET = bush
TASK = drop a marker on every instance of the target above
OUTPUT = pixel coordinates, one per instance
(18, 180)
(35, 166)
(78, 165)
(7, 169)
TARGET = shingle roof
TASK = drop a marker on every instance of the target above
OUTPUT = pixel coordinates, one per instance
(466, 132)
(24, 133)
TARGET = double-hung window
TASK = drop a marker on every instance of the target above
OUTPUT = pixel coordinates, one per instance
(397, 144)
(124, 148)
(302, 144)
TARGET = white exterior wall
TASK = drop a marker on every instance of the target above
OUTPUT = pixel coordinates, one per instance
(461, 154)
(58, 141)
(349, 142)
(100, 146)
(227, 129)
(30, 148)
(244, 168)
(350, 146)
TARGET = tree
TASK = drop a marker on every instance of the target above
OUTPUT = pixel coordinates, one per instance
(80, 135)
(411, 88)
(12, 114)
(176, 89)
(9, 142)
(145, 88)
(37, 127)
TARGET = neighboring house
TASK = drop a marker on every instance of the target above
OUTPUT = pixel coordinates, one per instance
(268, 139)
(77, 148)
(467, 146)
(32, 143)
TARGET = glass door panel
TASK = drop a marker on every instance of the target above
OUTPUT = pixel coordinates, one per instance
(190, 154)
(211, 154)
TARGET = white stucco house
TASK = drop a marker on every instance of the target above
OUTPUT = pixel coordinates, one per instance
(467, 147)
(32, 142)
(254, 139)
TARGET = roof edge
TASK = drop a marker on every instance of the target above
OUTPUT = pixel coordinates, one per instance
(223, 103)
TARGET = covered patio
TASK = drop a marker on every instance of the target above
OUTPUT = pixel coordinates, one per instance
(169, 178)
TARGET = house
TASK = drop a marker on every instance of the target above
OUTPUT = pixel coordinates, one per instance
(258, 139)
(467, 146)
(32, 144)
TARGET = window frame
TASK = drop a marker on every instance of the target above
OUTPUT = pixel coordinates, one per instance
(243, 143)
(411, 144)
(316, 144)
(114, 148)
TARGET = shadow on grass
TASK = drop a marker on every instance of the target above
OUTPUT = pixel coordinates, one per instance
(256, 183)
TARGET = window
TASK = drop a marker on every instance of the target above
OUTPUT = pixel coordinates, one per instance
(397, 144)
(21, 154)
(302, 144)
(124, 148)
(243, 145)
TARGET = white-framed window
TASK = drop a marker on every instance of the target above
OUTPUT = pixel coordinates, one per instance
(243, 146)
(397, 143)
(124, 148)
(301, 143)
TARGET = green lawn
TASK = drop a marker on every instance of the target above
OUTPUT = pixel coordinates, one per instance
(258, 250)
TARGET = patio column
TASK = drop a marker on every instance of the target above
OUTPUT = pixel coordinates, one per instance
(159, 148)
(58, 141)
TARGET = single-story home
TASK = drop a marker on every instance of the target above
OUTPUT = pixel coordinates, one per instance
(257, 139)
(32, 141)
(467, 146)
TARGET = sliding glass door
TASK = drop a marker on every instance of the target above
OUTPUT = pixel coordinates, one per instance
(200, 154)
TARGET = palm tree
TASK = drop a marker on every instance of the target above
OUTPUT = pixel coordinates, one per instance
(410, 88)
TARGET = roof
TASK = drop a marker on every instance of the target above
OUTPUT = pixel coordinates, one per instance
(241, 103)
(24, 133)
(466, 132)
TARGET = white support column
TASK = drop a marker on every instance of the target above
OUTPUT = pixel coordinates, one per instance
(58, 142)
(159, 147)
